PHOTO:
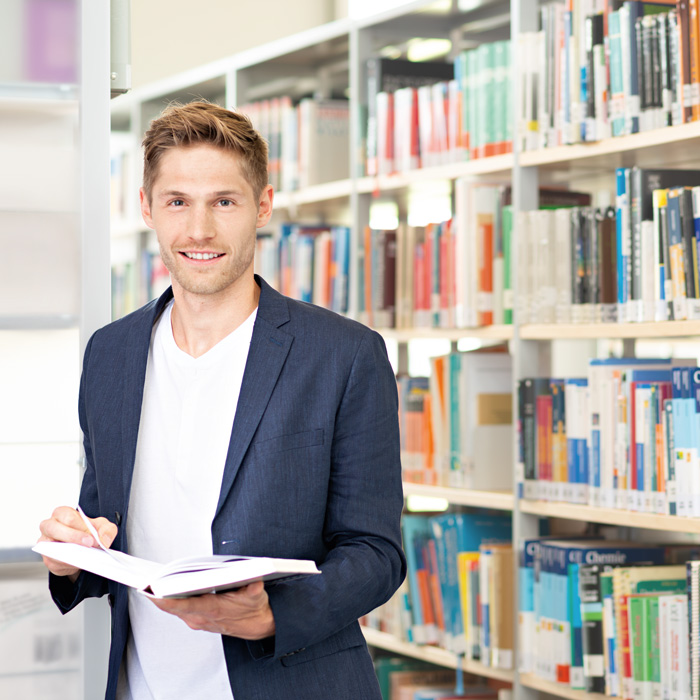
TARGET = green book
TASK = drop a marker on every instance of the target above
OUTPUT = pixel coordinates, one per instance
(639, 638)
(507, 224)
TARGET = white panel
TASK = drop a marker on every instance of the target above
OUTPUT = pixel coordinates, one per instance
(35, 479)
(11, 40)
(40, 264)
(40, 393)
(40, 145)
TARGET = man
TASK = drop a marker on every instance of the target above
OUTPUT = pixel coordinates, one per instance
(224, 417)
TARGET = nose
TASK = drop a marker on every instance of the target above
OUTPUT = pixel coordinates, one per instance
(201, 225)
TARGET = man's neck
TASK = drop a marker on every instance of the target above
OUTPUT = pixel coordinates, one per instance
(200, 322)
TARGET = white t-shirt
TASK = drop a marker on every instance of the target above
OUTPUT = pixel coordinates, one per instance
(186, 420)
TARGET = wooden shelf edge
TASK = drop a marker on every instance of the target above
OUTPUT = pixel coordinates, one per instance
(611, 516)
(493, 165)
(581, 151)
(433, 655)
(498, 500)
(327, 191)
(563, 331)
(530, 680)
(403, 335)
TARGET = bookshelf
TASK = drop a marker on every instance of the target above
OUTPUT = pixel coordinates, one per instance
(330, 61)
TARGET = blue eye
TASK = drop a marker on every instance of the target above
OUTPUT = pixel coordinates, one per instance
(177, 202)
(225, 202)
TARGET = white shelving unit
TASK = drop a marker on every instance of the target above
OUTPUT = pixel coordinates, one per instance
(334, 56)
(54, 218)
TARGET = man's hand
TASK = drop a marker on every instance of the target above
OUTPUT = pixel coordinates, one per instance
(244, 613)
(66, 525)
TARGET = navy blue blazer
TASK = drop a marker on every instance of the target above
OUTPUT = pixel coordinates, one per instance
(312, 472)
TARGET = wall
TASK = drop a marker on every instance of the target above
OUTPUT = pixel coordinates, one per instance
(170, 36)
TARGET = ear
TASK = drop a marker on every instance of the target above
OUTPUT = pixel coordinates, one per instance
(265, 207)
(145, 208)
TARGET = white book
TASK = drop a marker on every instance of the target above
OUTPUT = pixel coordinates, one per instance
(562, 265)
(177, 579)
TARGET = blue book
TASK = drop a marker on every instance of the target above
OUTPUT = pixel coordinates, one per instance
(341, 258)
(679, 441)
(622, 216)
(577, 421)
(415, 530)
(694, 414)
(616, 86)
(454, 533)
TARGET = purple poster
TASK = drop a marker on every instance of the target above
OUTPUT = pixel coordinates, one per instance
(51, 41)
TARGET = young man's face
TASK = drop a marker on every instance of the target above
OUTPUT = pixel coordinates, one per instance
(205, 216)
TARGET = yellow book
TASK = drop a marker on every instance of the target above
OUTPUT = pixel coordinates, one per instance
(467, 568)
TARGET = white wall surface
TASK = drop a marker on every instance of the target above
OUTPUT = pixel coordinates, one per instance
(170, 36)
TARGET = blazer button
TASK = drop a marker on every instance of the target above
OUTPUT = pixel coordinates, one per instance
(117, 517)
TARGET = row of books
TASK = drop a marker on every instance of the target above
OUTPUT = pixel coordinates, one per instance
(310, 263)
(613, 617)
(459, 591)
(456, 425)
(454, 274)
(626, 436)
(308, 142)
(636, 261)
(596, 70)
(136, 283)
(422, 114)
(658, 212)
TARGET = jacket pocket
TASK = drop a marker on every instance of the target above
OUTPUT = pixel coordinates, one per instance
(348, 638)
(290, 441)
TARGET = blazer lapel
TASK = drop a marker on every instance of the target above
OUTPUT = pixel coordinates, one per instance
(268, 351)
(137, 347)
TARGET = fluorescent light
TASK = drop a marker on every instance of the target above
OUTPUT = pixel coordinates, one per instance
(427, 49)
(426, 504)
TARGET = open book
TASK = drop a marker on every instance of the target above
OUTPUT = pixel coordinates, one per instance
(177, 579)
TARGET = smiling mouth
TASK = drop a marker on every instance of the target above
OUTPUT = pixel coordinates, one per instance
(202, 256)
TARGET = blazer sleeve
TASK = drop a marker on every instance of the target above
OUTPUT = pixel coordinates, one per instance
(365, 564)
(66, 594)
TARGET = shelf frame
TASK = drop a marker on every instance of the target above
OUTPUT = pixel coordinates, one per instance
(433, 655)
(611, 516)
(530, 680)
(497, 500)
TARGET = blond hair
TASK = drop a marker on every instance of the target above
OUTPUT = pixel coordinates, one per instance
(204, 123)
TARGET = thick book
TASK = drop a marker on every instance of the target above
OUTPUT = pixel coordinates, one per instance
(178, 579)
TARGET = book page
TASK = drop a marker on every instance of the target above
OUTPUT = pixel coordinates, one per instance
(116, 566)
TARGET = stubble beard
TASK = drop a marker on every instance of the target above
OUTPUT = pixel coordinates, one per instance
(208, 281)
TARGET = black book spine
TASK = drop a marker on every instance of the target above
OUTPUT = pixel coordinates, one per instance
(526, 400)
(641, 68)
(592, 628)
(689, 243)
(664, 69)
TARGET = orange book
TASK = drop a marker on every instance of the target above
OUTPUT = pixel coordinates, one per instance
(694, 41)
(484, 223)
(435, 590)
